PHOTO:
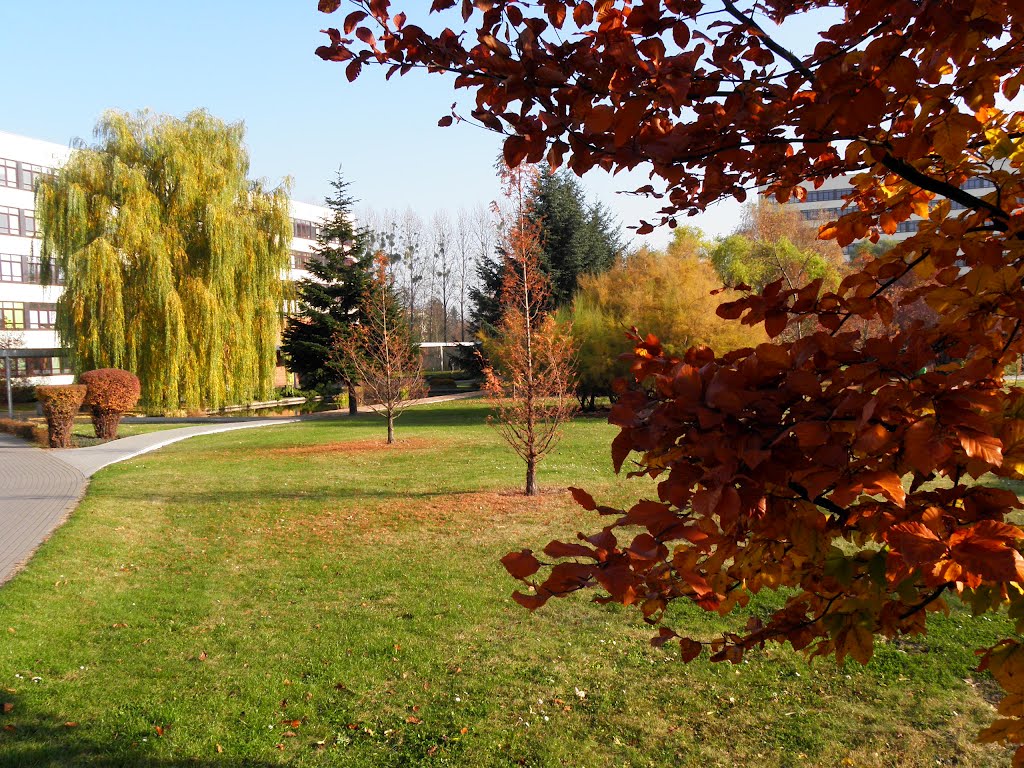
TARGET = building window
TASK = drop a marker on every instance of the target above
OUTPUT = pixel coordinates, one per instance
(30, 174)
(10, 268)
(307, 230)
(39, 366)
(976, 183)
(42, 317)
(8, 173)
(908, 226)
(28, 227)
(821, 195)
(9, 221)
(12, 316)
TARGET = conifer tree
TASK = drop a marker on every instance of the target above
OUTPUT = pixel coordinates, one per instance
(172, 258)
(330, 302)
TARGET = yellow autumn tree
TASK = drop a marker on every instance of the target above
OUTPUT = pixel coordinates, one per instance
(667, 293)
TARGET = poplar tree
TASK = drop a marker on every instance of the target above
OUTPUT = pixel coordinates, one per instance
(172, 258)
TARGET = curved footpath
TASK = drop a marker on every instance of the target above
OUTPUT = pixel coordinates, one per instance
(39, 488)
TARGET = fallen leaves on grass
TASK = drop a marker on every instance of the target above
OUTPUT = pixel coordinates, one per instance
(352, 446)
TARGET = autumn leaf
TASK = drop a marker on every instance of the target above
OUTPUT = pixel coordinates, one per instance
(521, 565)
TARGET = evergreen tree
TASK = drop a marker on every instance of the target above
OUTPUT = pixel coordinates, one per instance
(329, 302)
(577, 238)
(172, 259)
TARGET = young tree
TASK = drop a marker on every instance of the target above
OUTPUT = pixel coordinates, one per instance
(531, 379)
(330, 301)
(172, 258)
(767, 459)
(380, 352)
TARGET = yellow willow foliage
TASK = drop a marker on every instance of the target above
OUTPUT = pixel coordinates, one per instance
(172, 258)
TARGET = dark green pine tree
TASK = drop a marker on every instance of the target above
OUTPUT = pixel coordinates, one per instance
(330, 301)
(578, 238)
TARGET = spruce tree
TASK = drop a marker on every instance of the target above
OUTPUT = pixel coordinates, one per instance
(577, 238)
(329, 302)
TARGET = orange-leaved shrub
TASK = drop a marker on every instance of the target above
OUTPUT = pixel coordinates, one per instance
(26, 430)
(60, 404)
(111, 392)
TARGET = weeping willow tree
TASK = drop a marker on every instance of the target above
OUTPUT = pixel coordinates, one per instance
(172, 258)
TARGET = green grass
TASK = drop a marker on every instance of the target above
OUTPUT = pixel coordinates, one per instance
(303, 595)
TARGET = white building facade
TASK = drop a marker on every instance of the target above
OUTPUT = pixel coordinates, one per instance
(826, 204)
(28, 309)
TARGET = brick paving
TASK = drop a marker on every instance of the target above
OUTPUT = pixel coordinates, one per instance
(37, 492)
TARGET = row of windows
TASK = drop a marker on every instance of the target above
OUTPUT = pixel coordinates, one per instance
(308, 230)
(21, 316)
(821, 195)
(23, 268)
(17, 221)
(39, 366)
(821, 213)
(21, 175)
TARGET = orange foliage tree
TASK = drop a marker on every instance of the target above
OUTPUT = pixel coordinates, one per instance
(530, 380)
(840, 466)
(379, 351)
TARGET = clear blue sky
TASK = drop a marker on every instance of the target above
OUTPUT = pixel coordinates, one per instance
(67, 61)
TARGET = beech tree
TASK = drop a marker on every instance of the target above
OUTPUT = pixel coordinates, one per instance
(530, 377)
(379, 352)
(172, 258)
(839, 466)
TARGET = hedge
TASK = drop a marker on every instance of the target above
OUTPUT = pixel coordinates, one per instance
(60, 405)
(110, 393)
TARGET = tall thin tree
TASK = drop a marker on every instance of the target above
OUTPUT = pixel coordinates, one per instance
(531, 378)
(380, 352)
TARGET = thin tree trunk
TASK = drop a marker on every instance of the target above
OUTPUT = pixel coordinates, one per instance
(531, 476)
(391, 428)
(353, 406)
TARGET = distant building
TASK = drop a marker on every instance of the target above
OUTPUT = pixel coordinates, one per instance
(28, 310)
(826, 204)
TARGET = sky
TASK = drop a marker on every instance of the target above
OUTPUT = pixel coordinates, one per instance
(66, 62)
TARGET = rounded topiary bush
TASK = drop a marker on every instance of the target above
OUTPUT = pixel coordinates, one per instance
(111, 393)
(60, 405)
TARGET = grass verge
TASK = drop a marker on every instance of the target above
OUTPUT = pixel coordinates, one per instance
(304, 595)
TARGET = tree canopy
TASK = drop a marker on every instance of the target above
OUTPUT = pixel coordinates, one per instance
(666, 293)
(330, 302)
(576, 239)
(839, 466)
(172, 258)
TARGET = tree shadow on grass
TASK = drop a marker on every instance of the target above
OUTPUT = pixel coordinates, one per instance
(41, 740)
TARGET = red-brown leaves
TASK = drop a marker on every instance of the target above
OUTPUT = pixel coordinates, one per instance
(877, 401)
(521, 565)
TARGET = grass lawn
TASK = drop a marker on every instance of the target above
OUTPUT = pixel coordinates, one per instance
(303, 595)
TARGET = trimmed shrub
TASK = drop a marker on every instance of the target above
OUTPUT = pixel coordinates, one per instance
(60, 405)
(26, 430)
(111, 393)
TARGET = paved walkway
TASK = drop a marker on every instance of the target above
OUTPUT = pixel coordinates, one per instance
(39, 488)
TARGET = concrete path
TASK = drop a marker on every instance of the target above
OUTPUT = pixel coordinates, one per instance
(39, 488)
(91, 460)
